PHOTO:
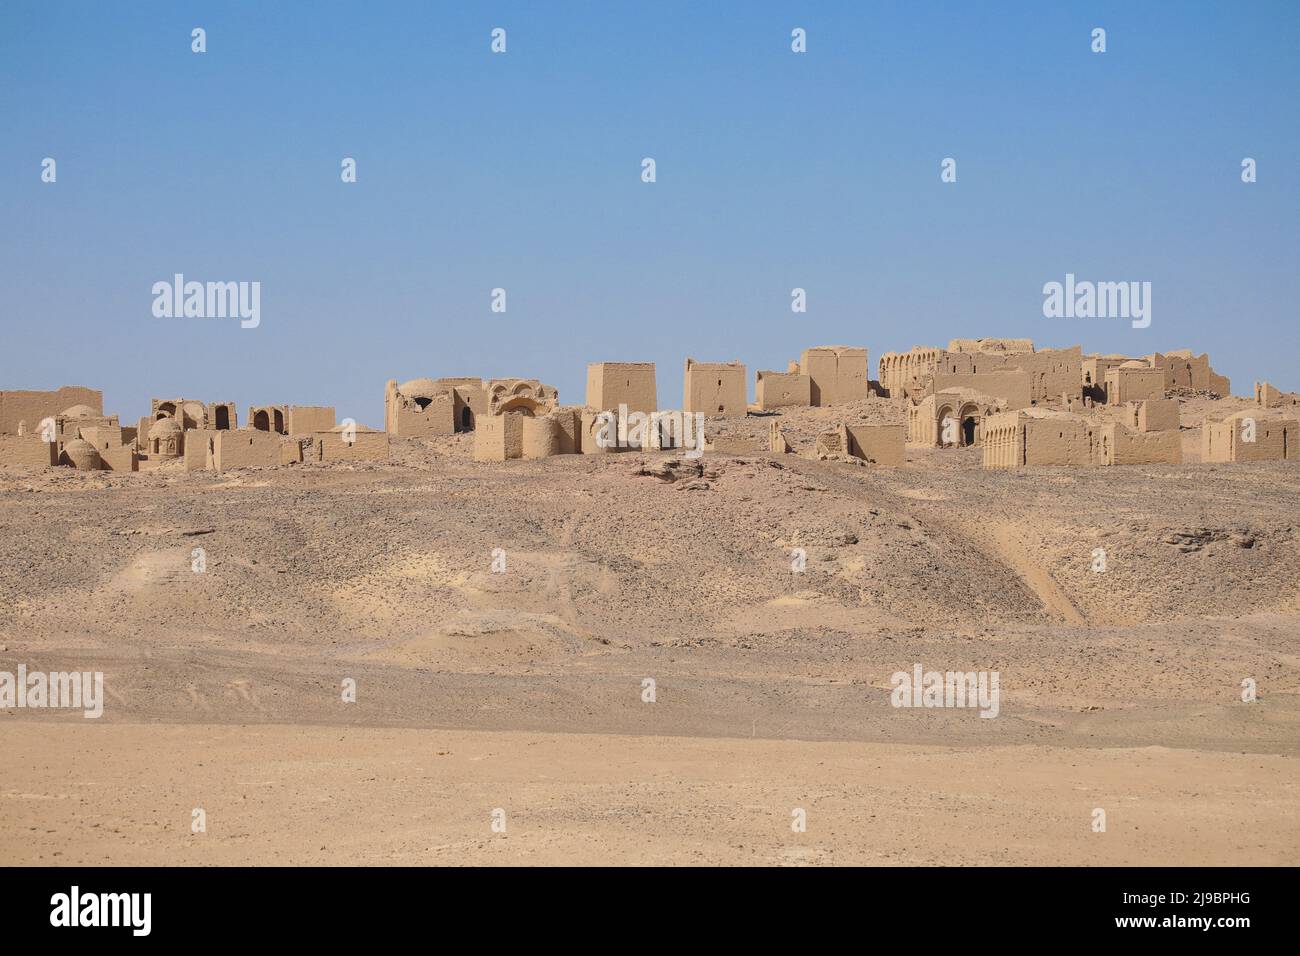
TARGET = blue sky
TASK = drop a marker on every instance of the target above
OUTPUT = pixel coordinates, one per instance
(522, 171)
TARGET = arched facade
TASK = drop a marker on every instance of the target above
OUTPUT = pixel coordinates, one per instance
(267, 418)
(950, 419)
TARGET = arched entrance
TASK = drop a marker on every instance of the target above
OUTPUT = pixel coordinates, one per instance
(521, 405)
(262, 421)
(969, 419)
(947, 427)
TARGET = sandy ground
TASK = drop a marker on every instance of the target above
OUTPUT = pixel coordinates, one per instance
(316, 795)
(523, 690)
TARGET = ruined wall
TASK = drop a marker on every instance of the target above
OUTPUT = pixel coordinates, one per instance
(1270, 397)
(1014, 387)
(568, 429)
(1228, 440)
(305, 419)
(102, 437)
(1124, 384)
(291, 451)
(591, 428)
(118, 458)
(470, 401)
(1153, 415)
(31, 407)
(782, 389)
(341, 444)
(905, 374)
(27, 451)
(1050, 373)
(878, 444)
(990, 346)
(716, 389)
(1057, 440)
(199, 448)
(1004, 441)
(222, 416)
(1018, 439)
(966, 408)
(921, 426)
(244, 448)
(540, 438)
(188, 412)
(837, 374)
(833, 442)
(1094, 369)
(524, 395)
(428, 410)
(610, 384)
(116, 452)
(499, 438)
(268, 418)
(555, 433)
(777, 443)
(66, 428)
(1184, 370)
(1119, 445)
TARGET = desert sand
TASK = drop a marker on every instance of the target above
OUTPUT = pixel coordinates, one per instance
(523, 690)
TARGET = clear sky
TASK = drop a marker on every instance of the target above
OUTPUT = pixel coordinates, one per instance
(522, 170)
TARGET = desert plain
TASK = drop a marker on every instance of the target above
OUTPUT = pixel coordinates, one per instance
(501, 715)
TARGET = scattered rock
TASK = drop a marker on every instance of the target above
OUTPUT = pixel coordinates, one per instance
(695, 485)
(670, 469)
(1194, 540)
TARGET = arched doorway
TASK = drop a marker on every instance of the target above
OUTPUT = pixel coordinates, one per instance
(223, 418)
(466, 419)
(969, 424)
(947, 427)
(521, 405)
(279, 421)
(262, 421)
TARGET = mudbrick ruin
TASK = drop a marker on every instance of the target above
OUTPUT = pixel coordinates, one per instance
(1021, 405)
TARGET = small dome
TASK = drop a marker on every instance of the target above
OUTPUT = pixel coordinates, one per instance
(83, 455)
(80, 411)
(359, 428)
(1134, 363)
(164, 428)
(421, 388)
